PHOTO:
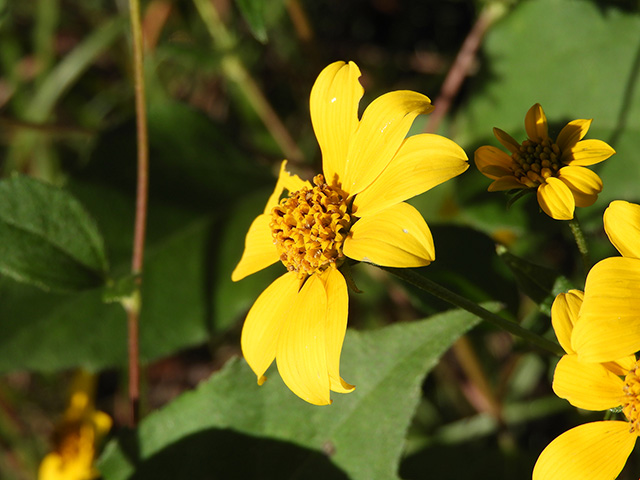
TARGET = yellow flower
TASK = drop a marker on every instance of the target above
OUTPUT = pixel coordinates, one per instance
(596, 450)
(555, 169)
(609, 326)
(76, 436)
(356, 209)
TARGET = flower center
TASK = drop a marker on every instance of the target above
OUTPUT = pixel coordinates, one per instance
(631, 400)
(537, 161)
(74, 443)
(310, 226)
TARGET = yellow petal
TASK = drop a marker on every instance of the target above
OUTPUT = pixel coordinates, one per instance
(587, 385)
(507, 140)
(608, 327)
(259, 249)
(594, 451)
(302, 344)
(622, 224)
(334, 114)
(505, 183)
(587, 152)
(422, 162)
(83, 387)
(395, 237)
(101, 423)
(384, 125)
(584, 184)
(622, 366)
(556, 199)
(286, 181)
(493, 162)
(264, 321)
(52, 467)
(564, 314)
(535, 123)
(336, 323)
(572, 133)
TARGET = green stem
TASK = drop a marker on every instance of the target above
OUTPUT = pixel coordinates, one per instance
(133, 307)
(234, 70)
(578, 235)
(442, 293)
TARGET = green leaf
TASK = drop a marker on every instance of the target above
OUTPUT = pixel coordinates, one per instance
(275, 433)
(47, 332)
(253, 13)
(47, 239)
(534, 280)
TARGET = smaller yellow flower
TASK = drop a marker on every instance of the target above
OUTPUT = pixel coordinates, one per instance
(76, 436)
(609, 326)
(596, 450)
(555, 169)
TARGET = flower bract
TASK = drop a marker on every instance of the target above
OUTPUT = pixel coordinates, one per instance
(554, 168)
(355, 210)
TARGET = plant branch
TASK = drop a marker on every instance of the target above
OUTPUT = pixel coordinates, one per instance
(442, 293)
(235, 71)
(462, 64)
(132, 306)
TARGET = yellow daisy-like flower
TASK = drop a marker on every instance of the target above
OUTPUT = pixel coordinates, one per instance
(596, 450)
(354, 209)
(555, 169)
(76, 436)
(609, 324)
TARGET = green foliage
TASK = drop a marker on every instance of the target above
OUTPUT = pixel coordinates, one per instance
(253, 13)
(47, 239)
(67, 203)
(361, 433)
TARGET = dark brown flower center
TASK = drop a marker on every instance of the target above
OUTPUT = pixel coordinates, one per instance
(537, 161)
(310, 226)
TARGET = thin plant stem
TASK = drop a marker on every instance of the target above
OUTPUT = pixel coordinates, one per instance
(462, 64)
(132, 306)
(300, 21)
(581, 241)
(442, 293)
(470, 364)
(234, 70)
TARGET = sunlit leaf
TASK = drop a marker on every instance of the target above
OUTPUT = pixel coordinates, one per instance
(359, 436)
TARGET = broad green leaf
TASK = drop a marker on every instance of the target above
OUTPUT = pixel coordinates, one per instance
(47, 238)
(253, 13)
(48, 332)
(277, 435)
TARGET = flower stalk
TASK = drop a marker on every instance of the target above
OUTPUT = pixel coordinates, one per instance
(133, 307)
(234, 70)
(581, 241)
(442, 293)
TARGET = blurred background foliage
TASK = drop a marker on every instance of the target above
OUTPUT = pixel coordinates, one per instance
(228, 86)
